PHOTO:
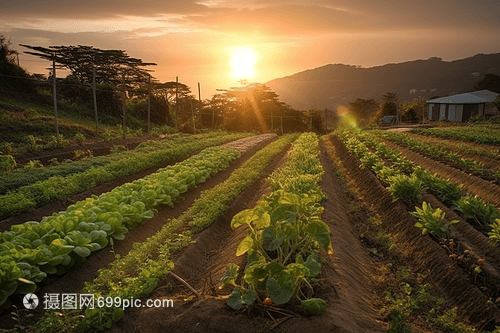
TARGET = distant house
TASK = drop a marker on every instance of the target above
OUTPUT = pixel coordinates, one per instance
(463, 106)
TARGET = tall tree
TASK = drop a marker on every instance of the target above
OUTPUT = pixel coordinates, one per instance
(111, 66)
(253, 105)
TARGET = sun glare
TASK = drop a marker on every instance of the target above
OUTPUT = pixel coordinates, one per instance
(243, 60)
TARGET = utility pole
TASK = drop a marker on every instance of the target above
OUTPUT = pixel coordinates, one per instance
(124, 123)
(54, 91)
(176, 100)
(201, 107)
(192, 115)
(149, 103)
(95, 101)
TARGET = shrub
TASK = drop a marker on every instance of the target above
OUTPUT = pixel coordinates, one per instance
(32, 142)
(117, 149)
(80, 154)
(57, 141)
(33, 164)
(80, 138)
(7, 164)
(6, 148)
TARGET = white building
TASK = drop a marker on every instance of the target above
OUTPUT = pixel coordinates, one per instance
(463, 106)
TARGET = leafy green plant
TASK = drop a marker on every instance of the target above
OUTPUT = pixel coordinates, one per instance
(33, 164)
(408, 189)
(32, 142)
(476, 209)
(54, 162)
(494, 234)
(432, 221)
(80, 138)
(6, 148)
(283, 229)
(117, 149)
(7, 164)
(57, 141)
(81, 154)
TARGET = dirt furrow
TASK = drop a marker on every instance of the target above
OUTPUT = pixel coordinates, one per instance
(488, 191)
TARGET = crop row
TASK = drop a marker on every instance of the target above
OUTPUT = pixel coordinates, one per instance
(479, 134)
(138, 273)
(406, 181)
(285, 233)
(29, 197)
(30, 251)
(435, 150)
(26, 176)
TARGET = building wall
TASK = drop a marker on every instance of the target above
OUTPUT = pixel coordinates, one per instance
(459, 112)
(451, 112)
(442, 111)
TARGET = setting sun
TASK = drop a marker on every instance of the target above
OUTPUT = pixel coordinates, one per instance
(243, 61)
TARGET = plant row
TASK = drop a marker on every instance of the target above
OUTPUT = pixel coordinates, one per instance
(436, 150)
(432, 221)
(406, 182)
(479, 134)
(285, 233)
(33, 172)
(138, 273)
(29, 197)
(30, 251)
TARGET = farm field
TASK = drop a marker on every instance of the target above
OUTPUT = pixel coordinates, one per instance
(354, 231)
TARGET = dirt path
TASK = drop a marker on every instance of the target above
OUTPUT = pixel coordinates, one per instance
(421, 253)
(73, 281)
(488, 191)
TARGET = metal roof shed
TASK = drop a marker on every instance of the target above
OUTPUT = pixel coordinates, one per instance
(463, 106)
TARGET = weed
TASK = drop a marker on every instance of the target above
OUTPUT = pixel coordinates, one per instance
(33, 164)
(80, 138)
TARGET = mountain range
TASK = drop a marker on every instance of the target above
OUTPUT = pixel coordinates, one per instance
(331, 86)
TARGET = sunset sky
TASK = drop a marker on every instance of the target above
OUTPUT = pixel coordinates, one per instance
(196, 40)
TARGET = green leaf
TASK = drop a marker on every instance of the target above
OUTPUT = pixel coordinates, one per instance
(249, 297)
(230, 276)
(280, 293)
(234, 300)
(245, 245)
(82, 251)
(117, 314)
(271, 240)
(313, 265)
(315, 305)
(320, 232)
(3, 297)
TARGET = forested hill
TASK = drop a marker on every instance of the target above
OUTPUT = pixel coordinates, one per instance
(332, 85)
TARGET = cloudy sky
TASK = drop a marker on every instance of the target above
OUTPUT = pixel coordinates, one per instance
(196, 40)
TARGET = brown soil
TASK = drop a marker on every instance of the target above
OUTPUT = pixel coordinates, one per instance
(422, 253)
